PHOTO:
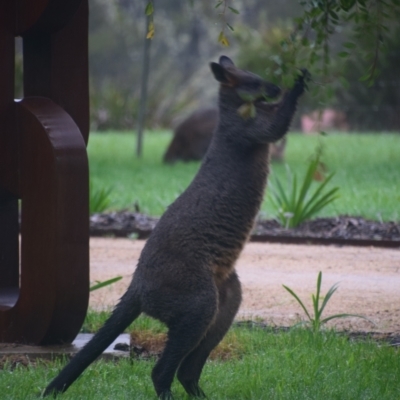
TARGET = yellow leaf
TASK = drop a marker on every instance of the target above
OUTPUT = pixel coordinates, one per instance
(150, 32)
(247, 110)
(222, 39)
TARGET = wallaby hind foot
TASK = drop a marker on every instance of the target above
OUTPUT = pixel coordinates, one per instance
(185, 276)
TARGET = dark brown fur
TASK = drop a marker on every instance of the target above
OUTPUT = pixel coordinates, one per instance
(193, 135)
(186, 276)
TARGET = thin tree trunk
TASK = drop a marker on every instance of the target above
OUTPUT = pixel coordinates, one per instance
(143, 90)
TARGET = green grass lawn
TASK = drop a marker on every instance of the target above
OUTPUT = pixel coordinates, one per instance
(265, 365)
(367, 168)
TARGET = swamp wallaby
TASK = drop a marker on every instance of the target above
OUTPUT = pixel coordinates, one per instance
(185, 275)
(193, 136)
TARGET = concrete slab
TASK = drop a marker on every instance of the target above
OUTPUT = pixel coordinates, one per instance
(67, 350)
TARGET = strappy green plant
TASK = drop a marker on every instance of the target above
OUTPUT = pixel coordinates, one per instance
(316, 321)
(99, 198)
(298, 204)
(101, 284)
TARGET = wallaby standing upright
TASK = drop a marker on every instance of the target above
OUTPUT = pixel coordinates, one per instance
(185, 275)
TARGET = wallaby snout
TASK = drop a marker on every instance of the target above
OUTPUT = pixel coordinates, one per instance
(271, 90)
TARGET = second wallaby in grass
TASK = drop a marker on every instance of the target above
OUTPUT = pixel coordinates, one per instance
(193, 136)
(185, 275)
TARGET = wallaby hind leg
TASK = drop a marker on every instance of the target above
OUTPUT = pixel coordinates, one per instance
(190, 369)
(185, 332)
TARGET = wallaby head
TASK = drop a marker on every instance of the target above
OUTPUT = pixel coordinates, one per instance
(185, 276)
(248, 86)
(245, 108)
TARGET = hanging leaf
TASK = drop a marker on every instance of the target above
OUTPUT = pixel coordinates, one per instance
(149, 8)
(230, 27)
(234, 10)
(150, 32)
(347, 4)
(222, 39)
(349, 45)
(343, 54)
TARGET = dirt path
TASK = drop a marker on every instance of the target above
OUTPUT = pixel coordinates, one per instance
(369, 280)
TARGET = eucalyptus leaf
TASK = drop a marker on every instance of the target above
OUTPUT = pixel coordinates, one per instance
(247, 110)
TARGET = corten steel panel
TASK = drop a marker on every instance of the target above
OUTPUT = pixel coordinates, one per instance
(43, 162)
(8, 140)
(44, 15)
(55, 66)
(9, 274)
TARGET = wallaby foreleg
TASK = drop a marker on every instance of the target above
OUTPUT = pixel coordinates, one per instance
(190, 369)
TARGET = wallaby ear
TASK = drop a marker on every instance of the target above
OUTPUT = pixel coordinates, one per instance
(226, 62)
(219, 72)
(222, 75)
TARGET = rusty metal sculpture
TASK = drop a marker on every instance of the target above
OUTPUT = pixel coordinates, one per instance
(43, 164)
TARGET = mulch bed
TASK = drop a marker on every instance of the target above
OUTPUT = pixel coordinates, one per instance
(338, 230)
(148, 345)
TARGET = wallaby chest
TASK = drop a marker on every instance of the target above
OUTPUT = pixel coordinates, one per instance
(208, 225)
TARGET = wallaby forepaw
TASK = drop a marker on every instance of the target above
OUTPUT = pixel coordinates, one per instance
(301, 82)
(304, 77)
(305, 73)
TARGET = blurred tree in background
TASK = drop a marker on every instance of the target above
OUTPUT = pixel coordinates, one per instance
(351, 48)
(340, 41)
(183, 45)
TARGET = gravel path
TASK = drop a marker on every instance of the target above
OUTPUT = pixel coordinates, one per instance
(369, 280)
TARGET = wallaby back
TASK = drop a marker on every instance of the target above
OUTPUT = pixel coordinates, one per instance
(185, 276)
(193, 135)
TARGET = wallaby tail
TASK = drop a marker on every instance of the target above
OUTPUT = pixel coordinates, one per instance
(127, 310)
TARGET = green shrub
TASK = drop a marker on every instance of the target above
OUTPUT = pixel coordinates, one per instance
(298, 204)
(99, 198)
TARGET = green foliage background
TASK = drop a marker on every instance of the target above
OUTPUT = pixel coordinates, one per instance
(338, 41)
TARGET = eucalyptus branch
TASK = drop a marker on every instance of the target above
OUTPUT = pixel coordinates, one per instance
(370, 17)
(222, 15)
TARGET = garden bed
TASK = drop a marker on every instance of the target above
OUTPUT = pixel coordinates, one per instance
(340, 230)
